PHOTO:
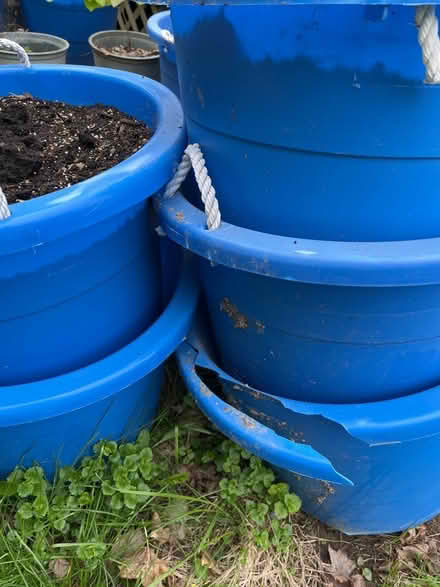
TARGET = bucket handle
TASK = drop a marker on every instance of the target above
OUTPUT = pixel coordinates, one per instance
(251, 434)
(193, 157)
(8, 45)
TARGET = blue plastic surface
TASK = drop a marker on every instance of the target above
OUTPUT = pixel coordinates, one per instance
(315, 121)
(79, 268)
(353, 466)
(70, 20)
(372, 3)
(317, 321)
(56, 421)
(168, 68)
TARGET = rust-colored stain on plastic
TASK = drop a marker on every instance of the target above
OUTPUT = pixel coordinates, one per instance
(231, 310)
(328, 490)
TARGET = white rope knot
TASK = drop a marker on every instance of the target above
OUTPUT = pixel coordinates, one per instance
(193, 157)
(4, 208)
(427, 23)
(16, 48)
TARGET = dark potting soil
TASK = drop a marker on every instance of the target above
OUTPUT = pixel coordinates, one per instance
(45, 146)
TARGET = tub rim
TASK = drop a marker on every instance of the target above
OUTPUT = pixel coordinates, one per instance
(48, 398)
(340, 263)
(155, 28)
(94, 37)
(88, 202)
(381, 423)
(61, 46)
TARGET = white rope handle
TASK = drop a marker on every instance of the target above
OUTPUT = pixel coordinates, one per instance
(24, 59)
(427, 23)
(193, 157)
(4, 208)
(16, 48)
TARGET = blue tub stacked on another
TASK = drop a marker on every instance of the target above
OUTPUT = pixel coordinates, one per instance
(82, 313)
(322, 282)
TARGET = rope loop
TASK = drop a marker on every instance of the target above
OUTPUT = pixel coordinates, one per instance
(427, 23)
(4, 208)
(8, 45)
(193, 158)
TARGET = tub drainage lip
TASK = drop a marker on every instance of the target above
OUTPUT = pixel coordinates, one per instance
(48, 398)
(358, 264)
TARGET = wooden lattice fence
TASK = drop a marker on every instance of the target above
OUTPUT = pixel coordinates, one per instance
(133, 16)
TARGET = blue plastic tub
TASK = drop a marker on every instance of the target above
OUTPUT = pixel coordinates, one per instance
(321, 321)
(361, 468)
(72, 21)
(314, 120)
(56, 421)
(157, 24)
(79, 268)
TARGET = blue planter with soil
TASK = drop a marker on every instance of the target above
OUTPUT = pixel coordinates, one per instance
(80, 267)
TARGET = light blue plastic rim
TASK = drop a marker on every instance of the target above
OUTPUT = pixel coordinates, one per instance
(74, 208)
(386, 422)
(155, 28)
(251, 434)
(363, 264)
(48, 398)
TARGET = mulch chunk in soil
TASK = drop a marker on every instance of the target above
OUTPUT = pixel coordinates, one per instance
(46, 146)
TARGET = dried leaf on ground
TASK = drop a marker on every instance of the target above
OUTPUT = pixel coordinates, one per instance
(59, 567)
(427, 552)
(174, 531)
(413, 535)
(161, 535)
(128, 544)
(144, 566)
(207, 561)
(341, 566)
(358, 581)
(203, 479)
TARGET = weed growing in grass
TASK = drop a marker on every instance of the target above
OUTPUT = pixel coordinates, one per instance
(184, 488)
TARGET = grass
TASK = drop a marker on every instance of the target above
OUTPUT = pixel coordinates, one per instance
(184, 507)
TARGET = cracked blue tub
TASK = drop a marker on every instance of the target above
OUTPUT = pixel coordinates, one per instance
(160, 29)
(314, 119)
(70, 20)
(56, 421)
(320, 321)
(361, 468)
(80, 267)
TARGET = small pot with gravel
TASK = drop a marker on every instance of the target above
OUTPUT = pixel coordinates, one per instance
(127, 50)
